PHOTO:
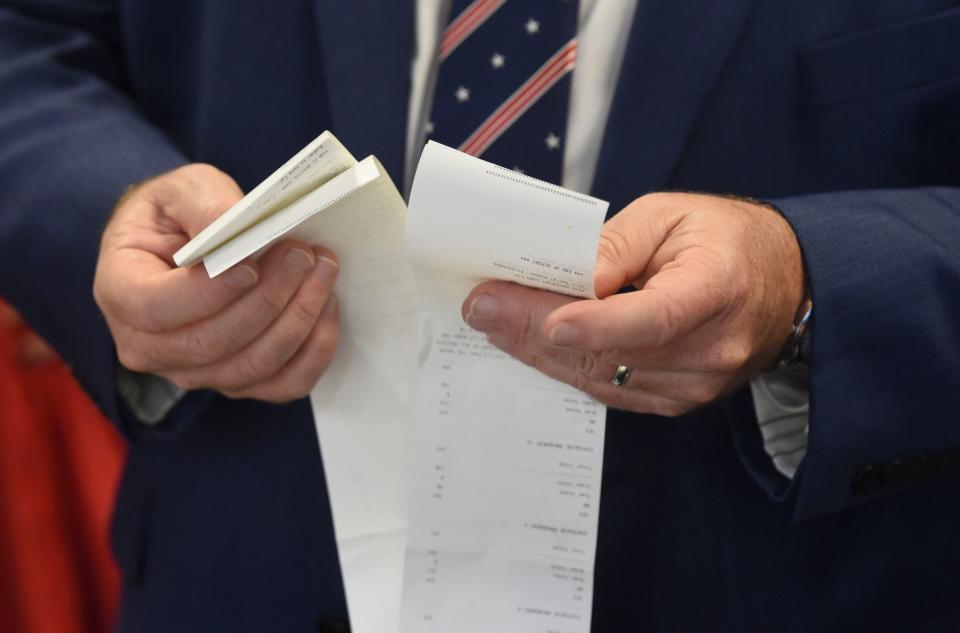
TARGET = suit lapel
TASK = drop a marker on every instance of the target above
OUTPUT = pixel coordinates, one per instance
(674, 54)
(366, 49)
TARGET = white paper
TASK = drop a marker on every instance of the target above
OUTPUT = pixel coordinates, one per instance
(315, 164)
(362, 406)
(502, 473)
(308, 218)
(506, 462)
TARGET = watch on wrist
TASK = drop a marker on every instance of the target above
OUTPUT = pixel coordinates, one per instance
(797, 349)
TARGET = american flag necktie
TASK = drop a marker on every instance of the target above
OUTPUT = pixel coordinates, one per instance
(503, 84)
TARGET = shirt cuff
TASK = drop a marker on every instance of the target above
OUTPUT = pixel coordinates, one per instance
(781, 400)
(149, 397)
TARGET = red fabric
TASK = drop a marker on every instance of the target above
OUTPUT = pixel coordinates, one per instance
(60, 463)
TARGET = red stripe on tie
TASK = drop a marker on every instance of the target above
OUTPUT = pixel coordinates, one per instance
(521, 100)
(517, 107)
(466, 23)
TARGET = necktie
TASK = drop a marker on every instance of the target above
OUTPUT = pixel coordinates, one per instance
(503, 84)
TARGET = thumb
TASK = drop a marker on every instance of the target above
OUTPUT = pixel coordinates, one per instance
(195, 195)
(628, 242)
(680, 298)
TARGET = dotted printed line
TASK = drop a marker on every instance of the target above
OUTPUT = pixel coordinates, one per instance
(543, 185)
(313, 212)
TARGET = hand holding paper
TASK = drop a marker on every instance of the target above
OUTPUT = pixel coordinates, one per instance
(697, 327)
(266, 329)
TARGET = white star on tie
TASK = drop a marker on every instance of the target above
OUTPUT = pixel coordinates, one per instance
(462, 94)
(428, 128)
(532, 27)
(552, 141)
(498, 60)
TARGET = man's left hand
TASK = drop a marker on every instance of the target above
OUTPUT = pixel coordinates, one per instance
(719, 281)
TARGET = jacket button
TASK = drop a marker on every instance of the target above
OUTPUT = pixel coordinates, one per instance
(332, 625)
(867, 481)
(895, 473)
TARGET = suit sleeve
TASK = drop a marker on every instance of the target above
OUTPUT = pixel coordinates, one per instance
(71, 141)
(884, 269)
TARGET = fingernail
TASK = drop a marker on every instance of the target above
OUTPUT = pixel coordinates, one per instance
(298, 260)
(240, 277)
(564, 334)
(483, 308)
(326, 269)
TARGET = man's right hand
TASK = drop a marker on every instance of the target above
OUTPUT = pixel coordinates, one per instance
(266, 329)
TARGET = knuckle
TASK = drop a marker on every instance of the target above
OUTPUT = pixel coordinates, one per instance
(528, 324)
(669, 408)
(327, 341)
(669, 319)
(730, 357)
(701, 392)
(201, 346)
(249, 370)
(307, 310)
(286, 344)
(586, 364)
(131, 359)
(272, 300)
(202, 170)
(239, 394)
(298, 387)
(99, 295)
(161, 189)
(613, 246)
(195, 347)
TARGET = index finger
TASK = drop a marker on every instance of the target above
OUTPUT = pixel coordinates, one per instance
(677, 300)
(150, 295)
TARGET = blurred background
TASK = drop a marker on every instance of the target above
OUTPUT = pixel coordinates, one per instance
(60, 463)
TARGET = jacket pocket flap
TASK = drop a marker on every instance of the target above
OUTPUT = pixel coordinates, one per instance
(881, 61)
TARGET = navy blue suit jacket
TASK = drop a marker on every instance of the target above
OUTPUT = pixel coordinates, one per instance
(845, 113)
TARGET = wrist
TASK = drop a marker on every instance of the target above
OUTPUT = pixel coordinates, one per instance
(796, 349)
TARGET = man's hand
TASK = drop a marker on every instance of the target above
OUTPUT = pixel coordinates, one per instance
(265, 329)
(719, 281)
